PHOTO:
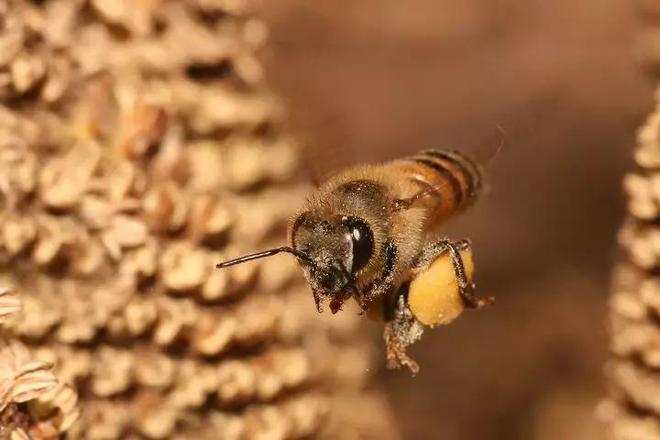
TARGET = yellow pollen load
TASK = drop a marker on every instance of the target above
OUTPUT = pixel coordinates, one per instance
(433, 296)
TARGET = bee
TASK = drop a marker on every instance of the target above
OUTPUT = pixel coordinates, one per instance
(366, 234)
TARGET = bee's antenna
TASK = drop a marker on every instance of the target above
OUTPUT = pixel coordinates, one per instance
(264, 254)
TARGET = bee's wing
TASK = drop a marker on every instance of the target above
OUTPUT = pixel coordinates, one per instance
(486, 152)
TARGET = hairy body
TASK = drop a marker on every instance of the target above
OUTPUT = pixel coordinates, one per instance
(364, 234)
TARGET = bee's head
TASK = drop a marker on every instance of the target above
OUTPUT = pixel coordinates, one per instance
(331, 250)
(338, 247)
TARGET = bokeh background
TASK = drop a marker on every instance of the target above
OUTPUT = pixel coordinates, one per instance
(560, 84)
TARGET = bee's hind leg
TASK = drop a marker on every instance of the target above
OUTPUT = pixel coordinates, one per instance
(401, 330)
(465, 287)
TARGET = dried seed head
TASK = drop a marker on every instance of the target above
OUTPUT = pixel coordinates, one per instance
(112, 371)
(9, 304)
(184, 267)
(145, 148)
(26, 71)
(633, 408)
(64, 180)
(62, 399)
(22, 378)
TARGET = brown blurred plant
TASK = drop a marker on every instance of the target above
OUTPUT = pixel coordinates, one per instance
(633, 408)
(139, 146)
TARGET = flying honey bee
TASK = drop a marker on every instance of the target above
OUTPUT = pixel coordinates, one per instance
(366, 234)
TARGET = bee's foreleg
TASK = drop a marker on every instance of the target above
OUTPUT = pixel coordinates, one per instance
(465, 288)
(317, 301)
(401, 330)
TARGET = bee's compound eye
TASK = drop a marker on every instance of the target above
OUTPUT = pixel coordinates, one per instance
(363, 241)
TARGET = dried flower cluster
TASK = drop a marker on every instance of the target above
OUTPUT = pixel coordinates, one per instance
(633, 410)
(34, 403)
(139, 147)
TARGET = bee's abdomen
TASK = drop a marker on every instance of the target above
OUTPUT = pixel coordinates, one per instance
(452, 179)
(461, 171)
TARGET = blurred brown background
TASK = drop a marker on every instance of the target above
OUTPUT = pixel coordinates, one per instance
(370, 80)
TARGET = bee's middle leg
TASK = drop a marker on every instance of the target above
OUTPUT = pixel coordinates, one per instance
(465, 287)
(401, 330)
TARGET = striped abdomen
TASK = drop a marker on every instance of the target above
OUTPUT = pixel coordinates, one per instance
(451, 180)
